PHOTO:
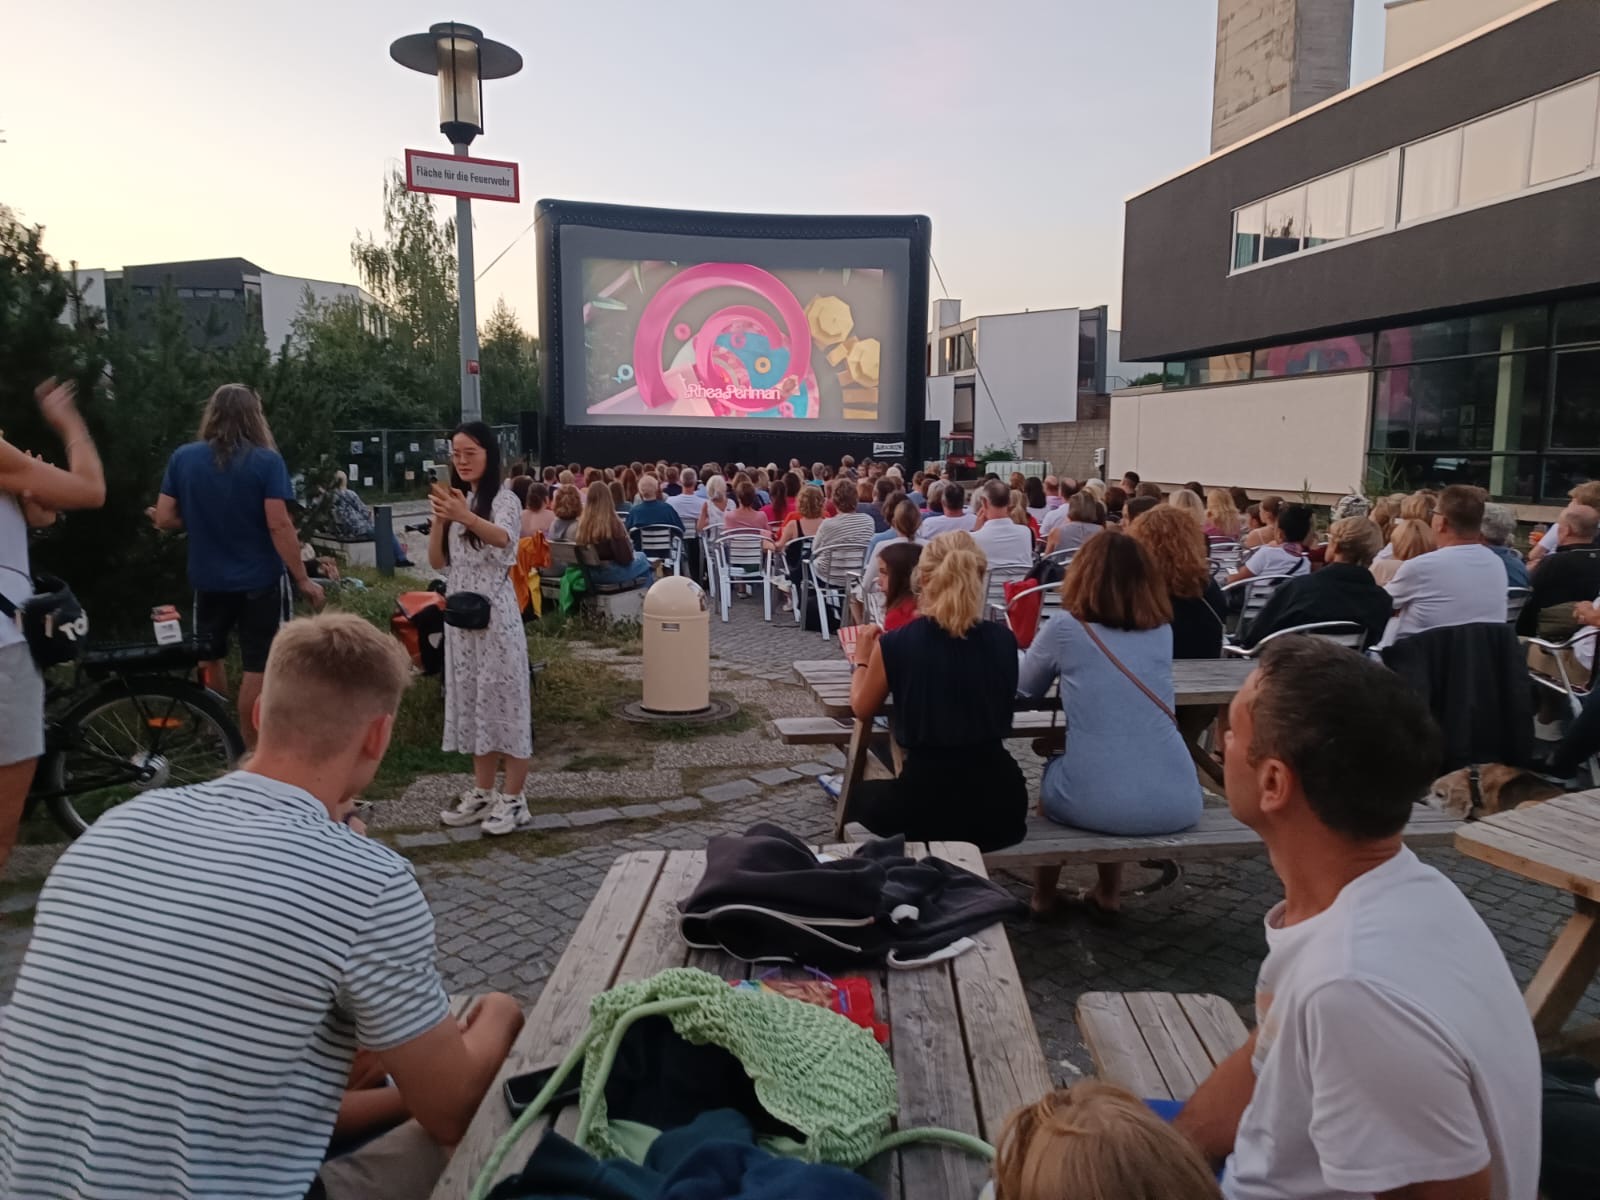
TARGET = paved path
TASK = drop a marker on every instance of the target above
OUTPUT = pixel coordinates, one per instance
(505, 909)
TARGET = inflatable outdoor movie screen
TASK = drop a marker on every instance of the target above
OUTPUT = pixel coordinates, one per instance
(733, 321)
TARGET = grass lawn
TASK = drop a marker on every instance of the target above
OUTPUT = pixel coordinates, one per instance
(574, 702)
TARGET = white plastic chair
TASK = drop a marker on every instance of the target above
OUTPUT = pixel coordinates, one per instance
(836, 561)
(660, 543)
(1343, 633)
(742, 557)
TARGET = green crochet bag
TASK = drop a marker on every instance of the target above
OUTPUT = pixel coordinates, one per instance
(812, 1069)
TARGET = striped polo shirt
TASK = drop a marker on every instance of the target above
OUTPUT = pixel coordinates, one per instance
(204, 963)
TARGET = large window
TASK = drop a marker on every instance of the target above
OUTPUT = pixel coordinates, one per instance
(1494, 155)
(1575, 407)
(1310, 358)
(1428, 175)
(1218, 368)
(1548, 140)
(1564, 131)
(1486, 333)
(1509, 401)
(1369, 196)
(1247, 223)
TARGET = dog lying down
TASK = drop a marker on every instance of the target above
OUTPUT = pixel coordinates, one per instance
(1474, 792)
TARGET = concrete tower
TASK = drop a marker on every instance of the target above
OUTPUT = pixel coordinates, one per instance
(1275, 58)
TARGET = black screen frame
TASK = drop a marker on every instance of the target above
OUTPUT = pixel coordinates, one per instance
(592, 444)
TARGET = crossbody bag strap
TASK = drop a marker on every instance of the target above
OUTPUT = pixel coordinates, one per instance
(1134, 679)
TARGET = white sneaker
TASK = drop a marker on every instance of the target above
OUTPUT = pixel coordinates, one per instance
(510, 813)
(469, 807)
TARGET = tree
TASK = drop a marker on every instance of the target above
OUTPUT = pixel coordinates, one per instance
(510, 358)
(140, 392)
(412, 274)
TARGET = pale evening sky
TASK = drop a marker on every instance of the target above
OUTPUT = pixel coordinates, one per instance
(160, 131)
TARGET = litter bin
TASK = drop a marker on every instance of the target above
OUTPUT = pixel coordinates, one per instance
(677, 647)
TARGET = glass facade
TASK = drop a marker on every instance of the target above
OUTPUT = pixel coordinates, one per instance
(1546, 140)
(1509, 400)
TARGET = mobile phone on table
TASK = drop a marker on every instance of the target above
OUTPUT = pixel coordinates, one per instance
(523, 1090)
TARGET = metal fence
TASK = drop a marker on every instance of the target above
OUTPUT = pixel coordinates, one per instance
(398, 462)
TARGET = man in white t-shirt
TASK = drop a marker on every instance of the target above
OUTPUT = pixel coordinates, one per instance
(1393, 1055)
(1007, 545)
(953, 502)
(1461, 583)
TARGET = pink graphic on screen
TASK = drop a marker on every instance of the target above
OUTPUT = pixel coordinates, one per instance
(732, 341)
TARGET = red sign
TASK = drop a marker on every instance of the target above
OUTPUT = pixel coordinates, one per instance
(472, 178)
(472, 366)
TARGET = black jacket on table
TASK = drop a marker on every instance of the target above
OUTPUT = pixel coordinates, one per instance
(1572, 573)
(1338, 592)
(765, 897)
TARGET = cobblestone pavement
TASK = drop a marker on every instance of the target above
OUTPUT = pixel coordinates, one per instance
(505, 910)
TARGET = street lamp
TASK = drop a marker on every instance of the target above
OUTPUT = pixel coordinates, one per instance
(462, 58)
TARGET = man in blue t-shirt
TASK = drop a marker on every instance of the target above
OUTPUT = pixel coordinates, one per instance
(229, 490)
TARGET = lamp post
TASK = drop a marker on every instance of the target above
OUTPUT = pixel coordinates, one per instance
(462, 58)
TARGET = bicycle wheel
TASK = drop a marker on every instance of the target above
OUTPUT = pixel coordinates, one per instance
(135, 735)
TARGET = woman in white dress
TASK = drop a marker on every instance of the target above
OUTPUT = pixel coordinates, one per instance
(487, 712)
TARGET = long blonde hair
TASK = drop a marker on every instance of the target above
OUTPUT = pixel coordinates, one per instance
(1093, 1141)
(950, 580)
(233, 421)
(1222, 513)
(598, 521)
(1411, 539)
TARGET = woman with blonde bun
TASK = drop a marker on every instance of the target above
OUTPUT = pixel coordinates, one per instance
(1094, 1141)
(953, 677)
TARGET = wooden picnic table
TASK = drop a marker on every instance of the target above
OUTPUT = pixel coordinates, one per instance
(1199, 685)
(1557, 843)
(961, 1035)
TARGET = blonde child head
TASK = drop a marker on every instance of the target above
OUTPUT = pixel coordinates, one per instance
(1094, 1141)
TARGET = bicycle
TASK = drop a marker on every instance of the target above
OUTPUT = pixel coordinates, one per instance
(125, 723)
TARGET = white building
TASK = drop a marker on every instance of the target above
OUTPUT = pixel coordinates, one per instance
(1035, 382)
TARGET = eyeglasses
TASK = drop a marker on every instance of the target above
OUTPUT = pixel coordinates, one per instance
(466, 455)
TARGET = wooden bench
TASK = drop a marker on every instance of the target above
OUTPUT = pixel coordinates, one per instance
(963, 1042)
(1216, 835)
(1158, 1045)
(614, 601)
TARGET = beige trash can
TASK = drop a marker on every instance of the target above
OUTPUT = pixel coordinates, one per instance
(677, 647)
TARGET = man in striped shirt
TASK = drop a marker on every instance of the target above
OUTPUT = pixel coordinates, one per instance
(206, 960)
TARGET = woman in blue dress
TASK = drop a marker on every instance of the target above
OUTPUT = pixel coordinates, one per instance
(1126, 770)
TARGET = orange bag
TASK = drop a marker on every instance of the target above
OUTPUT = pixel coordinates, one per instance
(418, 622)
(532, 554)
